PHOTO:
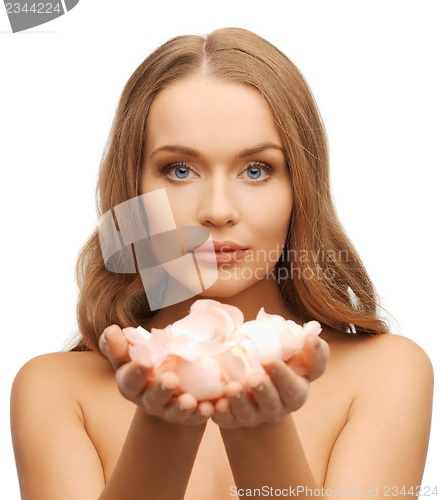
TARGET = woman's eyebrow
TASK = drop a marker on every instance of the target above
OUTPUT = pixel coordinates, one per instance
(178, 149)
(260, 148)
(187, 151)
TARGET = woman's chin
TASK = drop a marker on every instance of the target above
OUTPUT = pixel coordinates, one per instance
(227, 288)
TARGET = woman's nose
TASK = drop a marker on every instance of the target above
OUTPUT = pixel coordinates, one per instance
(218, 204)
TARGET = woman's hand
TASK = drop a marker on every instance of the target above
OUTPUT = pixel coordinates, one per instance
(156, 394)
(269, 398)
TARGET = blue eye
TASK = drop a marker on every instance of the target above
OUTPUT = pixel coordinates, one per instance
(257, 172)
(178, 172)
(181, 172)
(254, 172)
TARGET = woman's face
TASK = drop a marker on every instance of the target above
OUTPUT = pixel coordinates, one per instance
(215, 148)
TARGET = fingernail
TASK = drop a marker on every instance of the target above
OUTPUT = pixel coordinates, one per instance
(164, 388)
(257, 385)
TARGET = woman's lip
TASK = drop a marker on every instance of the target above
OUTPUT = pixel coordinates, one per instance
(221, 257)
(230, 256)
(220, 252)
(220, 246)
(227, 246)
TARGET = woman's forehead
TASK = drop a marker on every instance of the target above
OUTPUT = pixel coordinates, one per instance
(204, 113)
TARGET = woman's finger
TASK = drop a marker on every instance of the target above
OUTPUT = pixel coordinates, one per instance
(132, 378)
(114, 346)
(159, 392)
(223, 416)
(243, 409)
(182, 413)
(266, 395)
(292, 388)
(180, 409)
(203, 411)
(311, 361)
(316, 352)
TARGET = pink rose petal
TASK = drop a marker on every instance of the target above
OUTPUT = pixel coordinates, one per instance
(237, 364)
(212, 345)
(312, 327)
(201, 378)
(291, 343)
(198, 327)
(229, 317)
(136, 335)
(139, 352)
(265, 337)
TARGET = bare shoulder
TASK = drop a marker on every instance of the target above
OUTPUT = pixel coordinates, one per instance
(49, 400)
(62, 370)
(385, 436)
(399, 362)
(61, 383)
(380, 354)
(373, 367)
(68, 360)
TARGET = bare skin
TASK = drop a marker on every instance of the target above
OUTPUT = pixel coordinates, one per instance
(92, 425)
(70, 429)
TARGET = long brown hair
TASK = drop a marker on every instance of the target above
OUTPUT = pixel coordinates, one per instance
(320, 274)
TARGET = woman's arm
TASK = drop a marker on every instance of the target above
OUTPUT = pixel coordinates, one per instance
(382, 448)
(159, 452)
(268, 455)
(384, 443)
(260, 437)
(156, 460)
(55, 456)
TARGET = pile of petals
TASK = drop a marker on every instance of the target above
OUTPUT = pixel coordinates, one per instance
(212, 345)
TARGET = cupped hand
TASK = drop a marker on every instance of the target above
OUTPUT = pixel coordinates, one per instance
(157, 394)
(267, 398)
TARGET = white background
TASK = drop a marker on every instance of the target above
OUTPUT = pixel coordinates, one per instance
(373, 68)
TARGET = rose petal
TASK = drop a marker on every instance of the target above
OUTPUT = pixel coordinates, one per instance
(264, 335)
(139, 352)
(294, 327)
(290, 343)
(212, 345)
(197, 326)
(136, 336)
(201, 378)
(273, 319)
(158, 344)
(237, 364)
(213, 348)
(184, 348)
(229, 317)
(234, 365)
(312, 327)
(168, 364)
(164, 343)
(277, 320)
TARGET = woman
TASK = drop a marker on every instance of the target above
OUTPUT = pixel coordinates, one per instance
(228, 127)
